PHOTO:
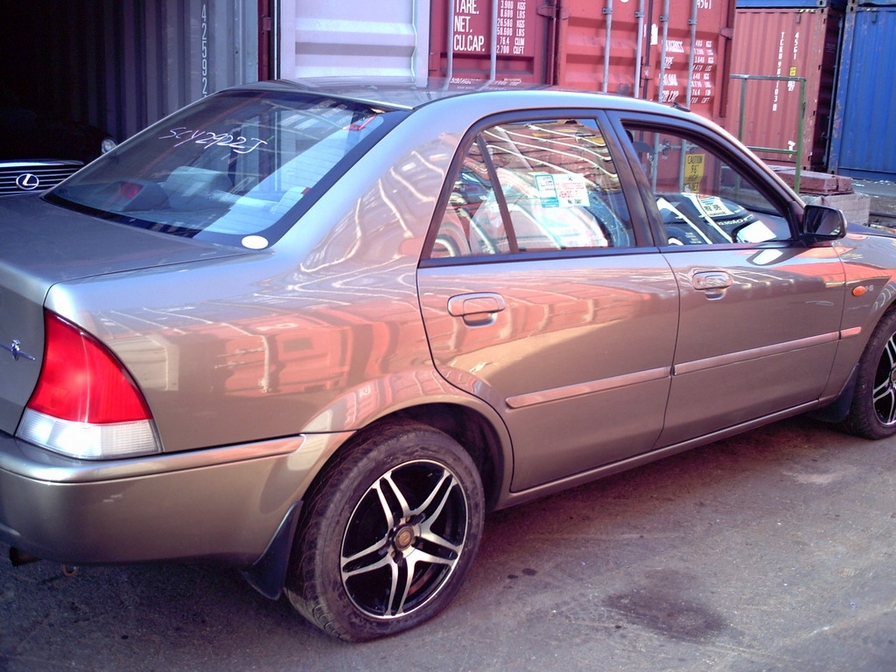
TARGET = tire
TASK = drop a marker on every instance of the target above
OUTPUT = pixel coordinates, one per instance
(872, 414)
(388, 534)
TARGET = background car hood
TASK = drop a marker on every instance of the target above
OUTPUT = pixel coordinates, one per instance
(55, 244)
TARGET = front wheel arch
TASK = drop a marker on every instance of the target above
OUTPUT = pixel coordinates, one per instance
(872, 411)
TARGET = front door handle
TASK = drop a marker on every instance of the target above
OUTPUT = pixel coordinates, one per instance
(476, 309)
(714, 283)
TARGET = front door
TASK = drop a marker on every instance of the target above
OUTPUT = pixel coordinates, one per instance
(760, 310)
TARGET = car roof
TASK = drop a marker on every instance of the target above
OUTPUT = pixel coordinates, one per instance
(407, 95)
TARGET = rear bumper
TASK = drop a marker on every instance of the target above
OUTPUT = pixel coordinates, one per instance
(223, 504)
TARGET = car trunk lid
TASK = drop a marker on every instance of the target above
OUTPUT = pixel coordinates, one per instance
(43, 245)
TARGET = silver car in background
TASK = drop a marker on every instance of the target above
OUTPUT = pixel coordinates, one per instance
(318, 332)
(39, 149)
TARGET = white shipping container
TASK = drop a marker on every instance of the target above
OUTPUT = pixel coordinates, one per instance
(372, 40)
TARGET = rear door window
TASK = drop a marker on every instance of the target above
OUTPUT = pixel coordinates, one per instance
(531, 187)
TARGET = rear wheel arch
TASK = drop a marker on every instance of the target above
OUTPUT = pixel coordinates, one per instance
(470, 428)
(344, 542)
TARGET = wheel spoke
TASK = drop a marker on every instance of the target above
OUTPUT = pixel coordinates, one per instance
(433, 538)
(416, 557)
(432, 496)
(426, 531)
(883, 395)
(399, 495)
(881, 391)
(890, 352)
(419, 556)
(396, 608)
(395, 580)
(391, 607)
(885, 403)
(378, 554)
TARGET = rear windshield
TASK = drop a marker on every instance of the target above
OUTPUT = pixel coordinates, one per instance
(236, 168)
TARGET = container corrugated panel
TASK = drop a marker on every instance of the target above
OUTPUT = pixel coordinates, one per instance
(471, 41)
(674, 52)
(194, 48)
(71, 61)
(584, 60)
(792, 4)
(864, 135)
(321, 38)
(800, 43)
(122, 64)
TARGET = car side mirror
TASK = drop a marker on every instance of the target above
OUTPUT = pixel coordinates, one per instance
(821, 222)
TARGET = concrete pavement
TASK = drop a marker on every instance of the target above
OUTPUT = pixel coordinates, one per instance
(772, 551)
(883, 200)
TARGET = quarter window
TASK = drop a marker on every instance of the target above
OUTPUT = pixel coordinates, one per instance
(537, 186)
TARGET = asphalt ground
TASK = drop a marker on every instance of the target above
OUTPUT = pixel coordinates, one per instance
(772, 551)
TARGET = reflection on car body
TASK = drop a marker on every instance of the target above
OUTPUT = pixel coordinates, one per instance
(317, 331)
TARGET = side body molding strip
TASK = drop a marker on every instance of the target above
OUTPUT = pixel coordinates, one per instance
(569, 391)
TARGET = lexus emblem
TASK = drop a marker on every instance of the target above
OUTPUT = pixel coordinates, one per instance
(27, 182)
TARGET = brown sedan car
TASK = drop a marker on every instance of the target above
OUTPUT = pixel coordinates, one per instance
(317, 333)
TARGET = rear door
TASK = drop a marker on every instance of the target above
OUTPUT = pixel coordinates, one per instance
(760, 310)
(540, 297)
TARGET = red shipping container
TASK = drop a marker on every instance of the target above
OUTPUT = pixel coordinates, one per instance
(654, 49)
(673, 52)
(472, 41)
(785, 43)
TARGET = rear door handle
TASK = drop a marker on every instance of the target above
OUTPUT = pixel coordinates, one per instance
(476, 309)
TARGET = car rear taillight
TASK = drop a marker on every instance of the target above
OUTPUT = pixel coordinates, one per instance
(85, 404)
